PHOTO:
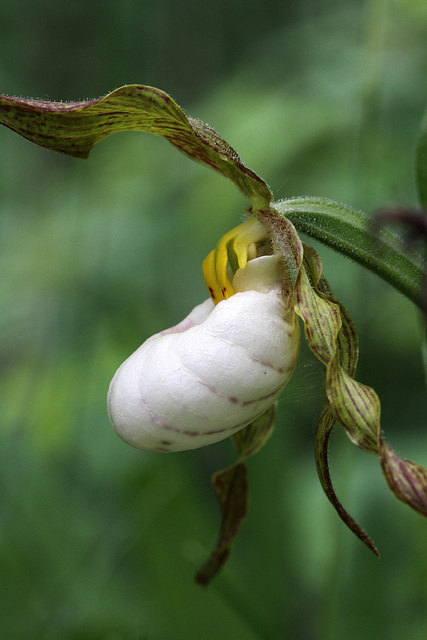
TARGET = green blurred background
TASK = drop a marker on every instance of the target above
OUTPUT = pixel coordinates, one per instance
(100, 541)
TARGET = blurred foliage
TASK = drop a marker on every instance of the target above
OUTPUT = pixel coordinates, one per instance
(101, 541)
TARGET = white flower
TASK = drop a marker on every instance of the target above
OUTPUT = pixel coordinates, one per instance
(215, 372)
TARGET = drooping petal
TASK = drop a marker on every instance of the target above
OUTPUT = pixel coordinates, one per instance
(323, 432)
(331, 335)
(357, 407)
(353, 404)
(74, 128)
(321, 317)
(231, 487)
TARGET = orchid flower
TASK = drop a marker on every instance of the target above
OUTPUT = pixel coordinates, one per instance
(221, 370)
(217, 371)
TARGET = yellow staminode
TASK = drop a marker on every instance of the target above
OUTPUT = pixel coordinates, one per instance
(235, 247)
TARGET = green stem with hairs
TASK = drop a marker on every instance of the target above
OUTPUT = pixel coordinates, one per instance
(361, 238)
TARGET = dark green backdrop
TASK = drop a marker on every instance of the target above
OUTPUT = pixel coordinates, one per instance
(100, 541)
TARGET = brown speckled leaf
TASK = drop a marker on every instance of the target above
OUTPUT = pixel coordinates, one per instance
(406, 479)
(231, 487)
(74, 128)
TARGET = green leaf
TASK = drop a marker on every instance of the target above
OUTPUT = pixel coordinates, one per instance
(74, 128)
(355, 235)
(421, 163)
(231, 487)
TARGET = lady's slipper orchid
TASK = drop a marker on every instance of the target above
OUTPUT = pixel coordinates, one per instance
(220, 371)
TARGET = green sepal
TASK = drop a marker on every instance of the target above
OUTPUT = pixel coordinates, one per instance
(231, 487)
(74, 128)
